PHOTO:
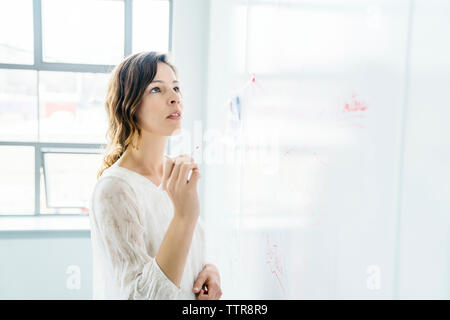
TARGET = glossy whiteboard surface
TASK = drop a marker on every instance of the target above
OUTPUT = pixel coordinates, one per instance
(327, 149)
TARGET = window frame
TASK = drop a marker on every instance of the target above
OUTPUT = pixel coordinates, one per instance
(39, 65)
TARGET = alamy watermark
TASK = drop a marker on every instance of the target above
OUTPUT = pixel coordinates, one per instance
(73, 281)
(261, 149)
(373, 280)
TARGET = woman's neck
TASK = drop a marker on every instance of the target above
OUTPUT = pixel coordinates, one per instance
(148, 160)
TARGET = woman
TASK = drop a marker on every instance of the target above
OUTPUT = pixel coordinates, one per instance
(144, 211)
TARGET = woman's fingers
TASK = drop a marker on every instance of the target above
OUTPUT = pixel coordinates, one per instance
(176, 170)
(215, 292)
(193, 181)
(183, 164)
(210, 295)
(176, 173)
(184, 171)
(203, 296)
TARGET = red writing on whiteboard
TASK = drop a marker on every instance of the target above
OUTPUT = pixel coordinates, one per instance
(354, 105)
(286, 153)
(320, 160)
(353, 110)
(274, 263)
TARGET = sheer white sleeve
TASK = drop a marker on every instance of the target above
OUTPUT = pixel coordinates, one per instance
(121, 231)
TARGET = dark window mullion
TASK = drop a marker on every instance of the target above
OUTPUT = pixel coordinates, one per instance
(37, 36)
(128, 25)
(58, 66)
(170, 24)
(37, 33)
(37, 178)
(44, 177)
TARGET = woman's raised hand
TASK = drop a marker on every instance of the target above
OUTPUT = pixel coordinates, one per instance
(182, 192)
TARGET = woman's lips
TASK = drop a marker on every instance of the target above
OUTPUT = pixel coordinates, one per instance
(174, 117)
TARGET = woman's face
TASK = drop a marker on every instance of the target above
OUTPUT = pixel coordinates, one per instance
(161, 98)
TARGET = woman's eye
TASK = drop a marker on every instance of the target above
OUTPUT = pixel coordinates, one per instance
(177, 89)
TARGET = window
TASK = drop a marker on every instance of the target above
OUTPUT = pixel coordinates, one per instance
(82, 31)
(54, 69)
(17, 46)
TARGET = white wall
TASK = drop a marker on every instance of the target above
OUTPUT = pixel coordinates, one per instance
(37, 265)
(424, 232)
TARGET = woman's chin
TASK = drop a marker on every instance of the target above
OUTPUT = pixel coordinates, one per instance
(176, 132)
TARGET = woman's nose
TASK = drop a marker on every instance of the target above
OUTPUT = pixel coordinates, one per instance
(175, 101)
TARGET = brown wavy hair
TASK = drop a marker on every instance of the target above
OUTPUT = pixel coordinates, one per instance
(127, 84)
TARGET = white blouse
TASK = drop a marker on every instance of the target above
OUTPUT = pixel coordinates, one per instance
(129, 216)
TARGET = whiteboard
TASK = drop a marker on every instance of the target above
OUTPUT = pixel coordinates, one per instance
(325, 149)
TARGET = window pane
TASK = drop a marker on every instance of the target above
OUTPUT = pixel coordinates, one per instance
(150, 25)
(16, 32)
(69, 180)
(17, 180)
(18, 105)
(83, 31)
(71, 107)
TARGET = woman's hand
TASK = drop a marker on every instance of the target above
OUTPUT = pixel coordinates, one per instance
(210, 277)
(182, 192)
